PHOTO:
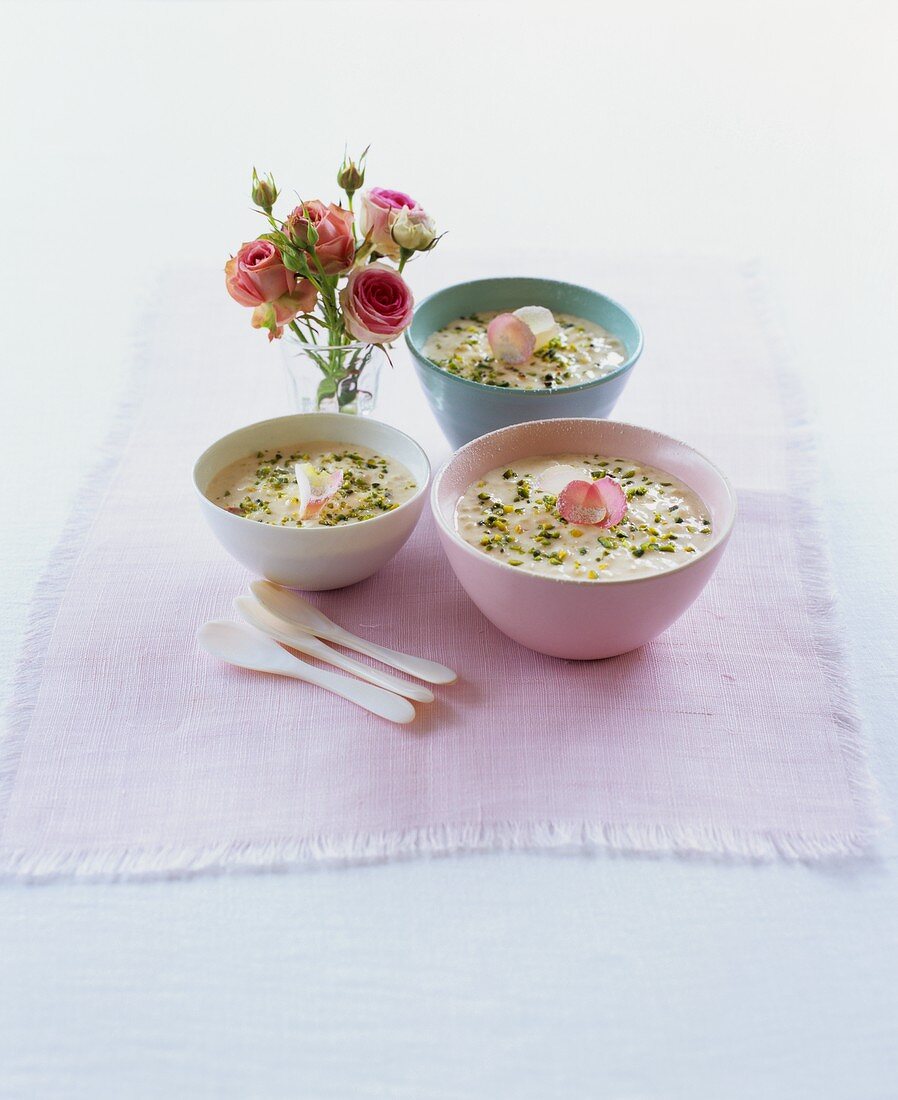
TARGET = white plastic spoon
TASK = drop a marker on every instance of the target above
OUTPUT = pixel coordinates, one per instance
(241, 645)
(261, 618)
(289, 605)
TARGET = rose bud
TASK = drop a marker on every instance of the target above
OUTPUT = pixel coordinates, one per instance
(299, 225)
(264, 192)
(413, 230)
(351, 176)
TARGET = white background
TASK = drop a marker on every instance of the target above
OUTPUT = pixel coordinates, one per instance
(761, 130)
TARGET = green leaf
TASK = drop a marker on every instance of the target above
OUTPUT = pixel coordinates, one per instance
(327, 387)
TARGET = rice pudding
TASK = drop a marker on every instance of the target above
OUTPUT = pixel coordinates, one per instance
(321, 485)
(510, 515)
(580, 351)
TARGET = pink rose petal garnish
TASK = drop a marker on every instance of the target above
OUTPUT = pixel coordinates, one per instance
(510, 339)
(614, 500)
(578, 502)
(601, 503)
(316, 487)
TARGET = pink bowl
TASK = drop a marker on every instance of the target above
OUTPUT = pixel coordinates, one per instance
(576, 619)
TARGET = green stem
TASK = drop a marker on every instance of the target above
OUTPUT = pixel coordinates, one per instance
(309, 346)
(341, 369)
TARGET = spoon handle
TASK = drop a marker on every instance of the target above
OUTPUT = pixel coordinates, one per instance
(431, 671)
(383, 703)
(373, 675)
(282, 630)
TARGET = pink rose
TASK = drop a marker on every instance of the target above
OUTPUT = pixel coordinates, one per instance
(377, 304)
(256, 277)
(335, 247)
(380, 207)
(257, 274)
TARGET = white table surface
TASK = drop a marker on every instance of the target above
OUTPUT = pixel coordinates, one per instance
(764, 130)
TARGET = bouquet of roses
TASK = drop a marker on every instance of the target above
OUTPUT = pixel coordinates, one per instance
(325, 271)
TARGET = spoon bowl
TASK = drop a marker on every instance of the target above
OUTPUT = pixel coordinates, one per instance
(246, 647)
(239, 644)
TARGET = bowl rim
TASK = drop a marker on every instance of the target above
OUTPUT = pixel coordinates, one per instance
(719, 541)
(339, 418)
(622, 368)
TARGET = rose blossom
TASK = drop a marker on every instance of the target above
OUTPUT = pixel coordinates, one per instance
(335, 247)
(380, 206)
(377, 304)
(257, 274)
(256, 277)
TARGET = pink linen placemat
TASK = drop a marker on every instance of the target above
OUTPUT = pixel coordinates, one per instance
(130, 753)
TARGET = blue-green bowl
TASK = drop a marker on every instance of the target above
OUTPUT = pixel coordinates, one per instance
(465, 409)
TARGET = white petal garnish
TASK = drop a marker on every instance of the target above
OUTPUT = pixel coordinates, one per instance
(554, 478)
(304, 486)
(540, 321)
(315, 486)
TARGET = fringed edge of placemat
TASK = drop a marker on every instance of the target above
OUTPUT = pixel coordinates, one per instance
(650, 840)
(287, 854)
(51, 588)
(817, 577)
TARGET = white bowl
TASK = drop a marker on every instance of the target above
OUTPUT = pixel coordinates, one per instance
(313, 558)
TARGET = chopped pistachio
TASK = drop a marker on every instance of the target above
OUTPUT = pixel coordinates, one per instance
(654, 521)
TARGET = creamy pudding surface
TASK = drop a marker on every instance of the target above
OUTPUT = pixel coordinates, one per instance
(348, 484)
(581, 351)
(507, 515)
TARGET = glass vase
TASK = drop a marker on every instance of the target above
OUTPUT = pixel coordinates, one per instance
(328, 378)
